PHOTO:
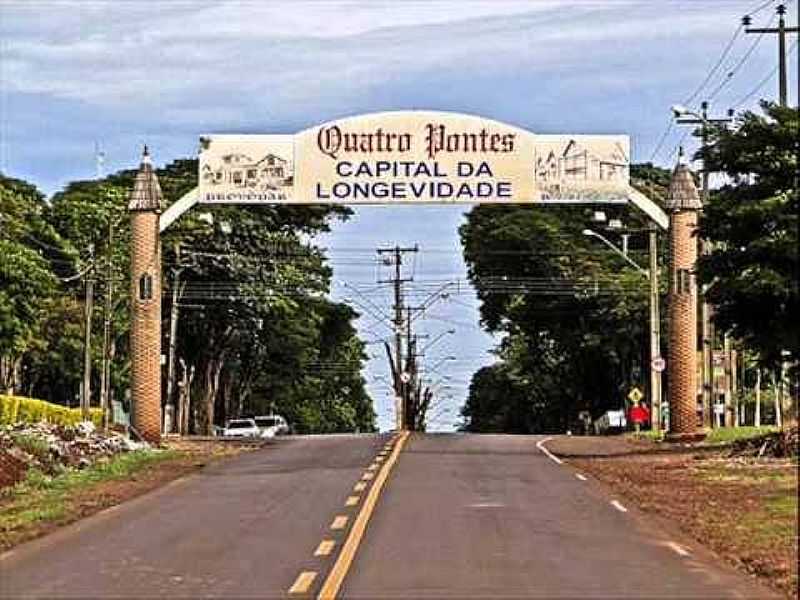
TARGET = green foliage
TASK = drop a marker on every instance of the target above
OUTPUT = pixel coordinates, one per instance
(28, 246)
(253, 324)
(15, 409)
(752, 224)
(573, 315)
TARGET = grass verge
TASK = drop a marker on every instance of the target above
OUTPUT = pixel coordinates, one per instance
(725, 435)
(41, 502)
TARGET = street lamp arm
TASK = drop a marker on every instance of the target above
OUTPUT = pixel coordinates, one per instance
(611, 245)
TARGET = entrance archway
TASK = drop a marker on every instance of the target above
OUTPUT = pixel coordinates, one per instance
(412, 157)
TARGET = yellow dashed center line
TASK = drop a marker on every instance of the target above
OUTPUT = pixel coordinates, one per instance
(325, 548)
(367, 476)
(351, 501)
(373, 467)
(303, 582)
(330, 588)
(339, 522)
(360, 486)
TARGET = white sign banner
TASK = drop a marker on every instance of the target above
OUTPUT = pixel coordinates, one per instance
(413, 157)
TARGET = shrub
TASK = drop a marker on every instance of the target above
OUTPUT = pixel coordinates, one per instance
(16, 409)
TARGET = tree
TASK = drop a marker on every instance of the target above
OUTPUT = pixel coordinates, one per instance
(751, 224)
(573, 316)
(28, 247)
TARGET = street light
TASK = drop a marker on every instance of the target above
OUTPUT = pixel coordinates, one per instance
(436, 339)
(655, 325)
(607, 242)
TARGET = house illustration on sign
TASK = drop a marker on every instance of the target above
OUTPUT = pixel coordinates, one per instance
(574, 162)
(238, 170)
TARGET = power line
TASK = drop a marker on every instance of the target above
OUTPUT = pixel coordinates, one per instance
(763, 82)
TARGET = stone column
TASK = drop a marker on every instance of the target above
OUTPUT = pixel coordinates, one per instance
(683, 204)
(144, 207)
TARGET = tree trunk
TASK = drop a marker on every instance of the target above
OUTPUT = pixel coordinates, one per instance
(757, 417)
(776, 396)
(211, 377)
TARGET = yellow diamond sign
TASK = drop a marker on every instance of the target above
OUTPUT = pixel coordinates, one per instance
(635, 395)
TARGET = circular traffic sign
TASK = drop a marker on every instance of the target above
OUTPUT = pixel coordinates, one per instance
(659, 364)
(405, 377)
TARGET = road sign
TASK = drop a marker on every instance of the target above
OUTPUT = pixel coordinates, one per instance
(658, 364)
(405, 377)
(635, 395)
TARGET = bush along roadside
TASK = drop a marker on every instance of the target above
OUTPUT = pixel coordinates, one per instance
(18, 409)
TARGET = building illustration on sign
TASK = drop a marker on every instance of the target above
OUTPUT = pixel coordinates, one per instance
(229, 172)
(572, 168)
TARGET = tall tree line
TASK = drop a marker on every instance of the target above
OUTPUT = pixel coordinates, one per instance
(255, 328)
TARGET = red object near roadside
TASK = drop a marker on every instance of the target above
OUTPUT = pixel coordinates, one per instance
(639, 414)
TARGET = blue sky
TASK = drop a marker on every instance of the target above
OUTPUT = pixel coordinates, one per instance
(76, 72)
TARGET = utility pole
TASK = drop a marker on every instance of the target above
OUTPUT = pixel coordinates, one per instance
(396, 260)
(170, 411)
(781, 30)
(88, 307)
(707, 331)
(655, 335)
(105, 374)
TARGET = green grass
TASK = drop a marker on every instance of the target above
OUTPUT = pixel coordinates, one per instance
(726, 435)
(40, 498)
(653, 436)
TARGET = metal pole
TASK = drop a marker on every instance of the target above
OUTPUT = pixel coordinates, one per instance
(105, 386)
(170, 412)
(86, 395)
(398, 340)
(655, 335)
(782, 84)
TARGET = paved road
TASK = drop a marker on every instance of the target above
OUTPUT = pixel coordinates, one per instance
(459, 517)
(243, 528)
(493, 517)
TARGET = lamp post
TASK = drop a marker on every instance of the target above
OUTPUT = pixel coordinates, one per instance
(656, 365)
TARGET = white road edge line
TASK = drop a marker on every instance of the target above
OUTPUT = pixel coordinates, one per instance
(581, 477)
(678, 549)
(616, 504)
(550, 455)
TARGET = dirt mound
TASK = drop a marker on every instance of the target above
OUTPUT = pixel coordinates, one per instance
(776, 444)
(53, 448)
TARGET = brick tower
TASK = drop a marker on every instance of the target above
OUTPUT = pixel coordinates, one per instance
(144, 207)
(683, 204)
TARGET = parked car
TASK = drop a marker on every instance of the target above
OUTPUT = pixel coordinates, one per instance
(271, 425)
(241, 428)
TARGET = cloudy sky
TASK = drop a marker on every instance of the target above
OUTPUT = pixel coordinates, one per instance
(119, 73)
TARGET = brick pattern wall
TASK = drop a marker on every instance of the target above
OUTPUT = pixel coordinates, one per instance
(146, 326)
(682, 361)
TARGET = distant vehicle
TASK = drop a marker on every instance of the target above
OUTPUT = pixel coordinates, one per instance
(612, 421)
(241, 428)
(271, 425)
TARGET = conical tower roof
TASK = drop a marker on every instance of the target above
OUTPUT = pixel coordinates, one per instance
(683, 194)
(146, 192)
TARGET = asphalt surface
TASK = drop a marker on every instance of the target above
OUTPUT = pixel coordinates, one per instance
(460, 517)
(493, 517)
(241, 528)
